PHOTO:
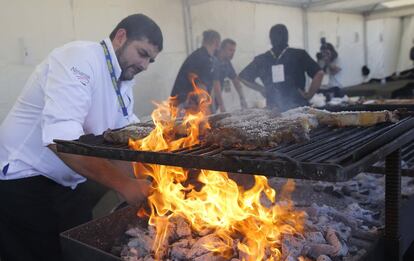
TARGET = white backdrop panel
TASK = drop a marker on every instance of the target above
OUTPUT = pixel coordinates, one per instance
(345, 32)
(383, 42)
(407, 42)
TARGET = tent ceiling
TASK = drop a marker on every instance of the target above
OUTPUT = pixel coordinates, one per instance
(357, 5)
(354, 6)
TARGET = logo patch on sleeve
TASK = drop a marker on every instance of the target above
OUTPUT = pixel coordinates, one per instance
(83, 78)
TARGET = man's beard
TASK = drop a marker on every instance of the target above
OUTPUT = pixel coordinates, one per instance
(126, 74)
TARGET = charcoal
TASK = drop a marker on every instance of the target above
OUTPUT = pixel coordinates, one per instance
(181, 227)
(292, 246)
(323, 258)
(315, 237)
(339, 249)
(179, 250)
(198, 249)
(316, 250)
(210, 257)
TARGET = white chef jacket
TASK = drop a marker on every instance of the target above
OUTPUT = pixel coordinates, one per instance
(68, 95)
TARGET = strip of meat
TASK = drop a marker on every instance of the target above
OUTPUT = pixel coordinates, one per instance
(254, 129)
(346, 118)
(134, 131)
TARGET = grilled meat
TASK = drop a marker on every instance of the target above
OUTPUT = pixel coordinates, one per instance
(258, 128)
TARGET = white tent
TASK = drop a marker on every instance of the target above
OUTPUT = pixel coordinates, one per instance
(374, 32)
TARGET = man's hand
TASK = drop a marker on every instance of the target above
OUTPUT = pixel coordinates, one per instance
(114, 175)
(136, 191)
(306, 95)
(255, 86)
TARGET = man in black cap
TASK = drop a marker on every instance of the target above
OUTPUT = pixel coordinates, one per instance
(282, 70)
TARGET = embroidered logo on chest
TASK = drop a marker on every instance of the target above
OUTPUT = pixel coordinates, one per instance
(83, 78)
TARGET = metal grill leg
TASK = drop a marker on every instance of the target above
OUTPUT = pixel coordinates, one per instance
(393, 206)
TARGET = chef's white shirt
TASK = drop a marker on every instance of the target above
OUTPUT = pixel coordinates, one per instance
(68, 95)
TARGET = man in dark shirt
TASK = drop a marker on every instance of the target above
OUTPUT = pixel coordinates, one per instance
(200, 63)
(224, 69)
(282, 71)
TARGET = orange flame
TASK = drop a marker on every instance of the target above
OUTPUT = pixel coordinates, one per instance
(220, 205)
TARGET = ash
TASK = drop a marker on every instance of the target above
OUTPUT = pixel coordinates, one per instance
(344, 219)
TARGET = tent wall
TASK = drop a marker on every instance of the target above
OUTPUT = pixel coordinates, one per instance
(407, 42)
(383, 42)
(36, 27)
(345, 32)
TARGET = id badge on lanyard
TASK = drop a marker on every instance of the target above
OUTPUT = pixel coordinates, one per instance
(278, 73)
(278, 70)
(114, 80)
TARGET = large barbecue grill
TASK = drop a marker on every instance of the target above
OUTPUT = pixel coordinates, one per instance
(331, 154)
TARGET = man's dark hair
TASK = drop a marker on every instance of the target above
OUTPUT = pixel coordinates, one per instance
(210, 36)
(279, 36)
(227, 41)
(138, 27)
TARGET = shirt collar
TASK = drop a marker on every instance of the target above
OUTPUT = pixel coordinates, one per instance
(115, 63)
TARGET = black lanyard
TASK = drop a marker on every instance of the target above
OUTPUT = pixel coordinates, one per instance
(115, 83)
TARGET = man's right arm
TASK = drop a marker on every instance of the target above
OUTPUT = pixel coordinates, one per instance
(109, 174)
(254, 86)
(217, 94)
(249, 74)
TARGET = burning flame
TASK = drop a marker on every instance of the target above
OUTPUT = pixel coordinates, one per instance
(220, 205)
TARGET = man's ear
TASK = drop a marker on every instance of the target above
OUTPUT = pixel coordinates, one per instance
(119, 39)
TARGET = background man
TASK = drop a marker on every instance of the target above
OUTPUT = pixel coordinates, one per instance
(224, 69)
(200, 63)
(282, 71)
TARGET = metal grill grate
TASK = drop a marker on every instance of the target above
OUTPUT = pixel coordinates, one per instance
(332, 154)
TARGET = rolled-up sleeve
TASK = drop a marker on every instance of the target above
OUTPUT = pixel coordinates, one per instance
(311, 67)
(68, 93)
(252, 71)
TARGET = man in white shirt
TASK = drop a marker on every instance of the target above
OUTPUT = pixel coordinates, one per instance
(80, 88)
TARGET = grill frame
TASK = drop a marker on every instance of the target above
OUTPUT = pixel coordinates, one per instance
(93, 240)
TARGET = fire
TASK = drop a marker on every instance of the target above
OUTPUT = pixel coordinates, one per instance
(220, 205)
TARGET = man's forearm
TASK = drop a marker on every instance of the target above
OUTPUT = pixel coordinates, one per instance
(316, 83)
(100, 170)
(254, 86)
(218, 96)
(238, 87)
